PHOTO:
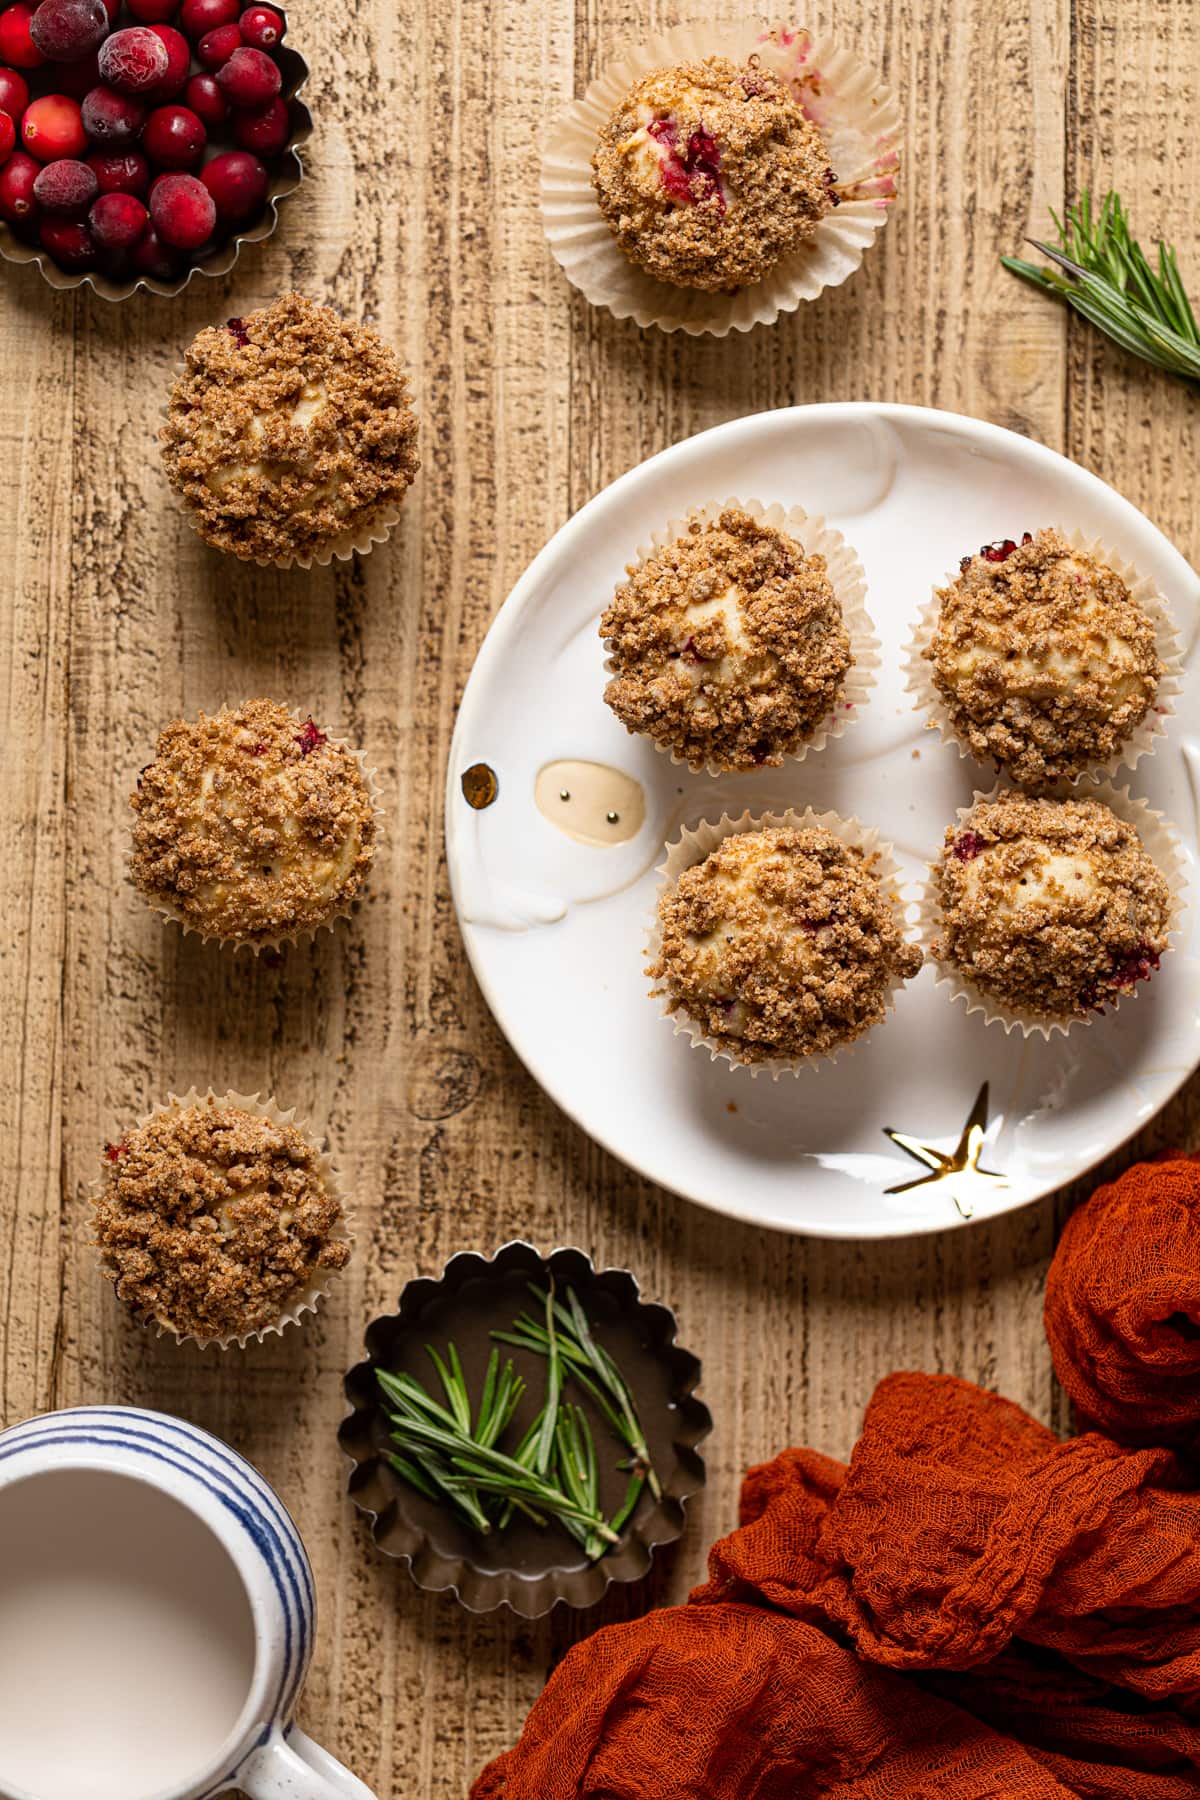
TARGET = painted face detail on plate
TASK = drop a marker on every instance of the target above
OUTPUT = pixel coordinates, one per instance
(591, 802)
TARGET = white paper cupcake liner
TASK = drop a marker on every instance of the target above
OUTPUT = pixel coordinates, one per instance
(1158, 839)
(309, 1298)
(860, 119)
(259, 945)
(699, 841)
(1142, 741)
(849, 583)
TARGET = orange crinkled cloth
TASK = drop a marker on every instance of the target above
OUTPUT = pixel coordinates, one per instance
(973, 1608)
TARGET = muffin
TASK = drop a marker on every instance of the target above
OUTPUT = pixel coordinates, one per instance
(781, 945)
(251, 826)
(708, 174)
(1051, 908)
(1044, 660)
(727, 647)
(289, 434)
(217, 1221)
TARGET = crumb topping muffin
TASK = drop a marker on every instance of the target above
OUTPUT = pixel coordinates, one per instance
(215, 1221)
(1053, 907)
(782, 943)
(251, 825)
(1044, 659)
(727, 646)
(709, 173)
(288, 429)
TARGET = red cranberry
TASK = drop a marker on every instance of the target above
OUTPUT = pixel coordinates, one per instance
(174, 138)
(262, 27)
(17, 47)
(112, 119)
(198, 17)
(150, 256)
(128, 174)
(75, 79)
(967, 846)
(8, 138)
(53, 127)
(249, 78)
(117, 221)
(216, 47)
(179, 61)
(237, 182)
(17, 204)
(69, 242)
(241, 337)
(134, 60)
(264, 129)
(65, 186)
(112, 8)
(206, 99)
(311, 738)
(152, 12)
(67, 30)
(182, 210)
(14, 94)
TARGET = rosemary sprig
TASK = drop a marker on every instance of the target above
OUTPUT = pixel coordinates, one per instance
(1101, 270)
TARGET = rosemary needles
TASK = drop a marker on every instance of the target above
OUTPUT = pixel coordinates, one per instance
(1100, 269)
(451, 1452)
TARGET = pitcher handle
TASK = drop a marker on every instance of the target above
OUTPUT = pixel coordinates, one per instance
(294, 1768)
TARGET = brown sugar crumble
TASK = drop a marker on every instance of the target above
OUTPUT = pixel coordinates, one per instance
(251, 825)
(1054, 907)
(1045, 661)
(709, 173)
(782, 943)
(213, 1220)
(288, 432)
(727, 646)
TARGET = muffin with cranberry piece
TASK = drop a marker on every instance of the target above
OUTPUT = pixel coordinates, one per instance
(727, 647)
(289, 435)
(219, 1219)
(709, 174)
(252, 825)
(1043, 659)
(1051, 909)
(781, 945)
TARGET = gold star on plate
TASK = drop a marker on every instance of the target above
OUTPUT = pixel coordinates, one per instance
(960, 1168)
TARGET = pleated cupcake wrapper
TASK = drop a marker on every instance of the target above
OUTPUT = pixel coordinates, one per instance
(918, 670)
(259, 945)
(309, 1298)
(377, 530)
(849, 583)
(698, 842)
(1158, 839)
(858, 115)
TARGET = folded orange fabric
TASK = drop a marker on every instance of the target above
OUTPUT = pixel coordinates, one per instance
(973, 1608)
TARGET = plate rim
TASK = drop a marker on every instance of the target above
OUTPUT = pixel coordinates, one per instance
(833, 411)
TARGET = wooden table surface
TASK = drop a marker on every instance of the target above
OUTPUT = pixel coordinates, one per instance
(421, 215)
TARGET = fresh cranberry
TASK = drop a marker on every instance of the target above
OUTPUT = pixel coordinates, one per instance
(8, 138)
(128, 174)
(206, 99)
(114, 1152)
(249, 78)
(53, 127)
(262, 27)
(14, 94)
(311, 739)
(216, 47)
(150, 256)
(182, 210)
(68, 30)
(75, 79)
(134, 60)
(689, 175)
(237, 331)
(179, 61)
(1139, 965)
(998, 552)
(174, 138)
(264, 129)
(238, 184)
(65, 186)
(152, 12)
(17, 204)
(17, 47)
(69, 242)
(967, 846)
(117, 221)
(111, 119)
(198, 17)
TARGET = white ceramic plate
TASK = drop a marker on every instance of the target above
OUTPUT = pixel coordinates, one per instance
(556, 930)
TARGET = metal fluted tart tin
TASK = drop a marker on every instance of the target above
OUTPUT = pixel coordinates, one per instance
(527, 1568)
(286, 171)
